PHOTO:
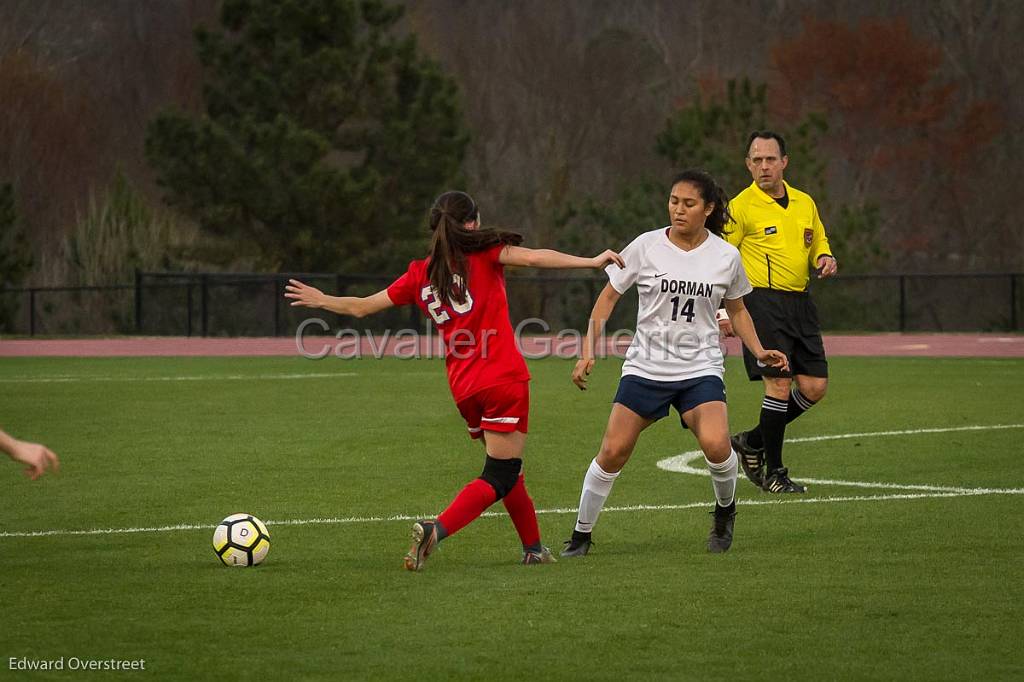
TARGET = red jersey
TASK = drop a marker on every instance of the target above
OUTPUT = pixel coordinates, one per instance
(480, 347)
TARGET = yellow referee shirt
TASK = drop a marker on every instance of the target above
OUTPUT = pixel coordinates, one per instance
(779, 246)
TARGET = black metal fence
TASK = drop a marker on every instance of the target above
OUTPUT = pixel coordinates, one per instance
(226, 304)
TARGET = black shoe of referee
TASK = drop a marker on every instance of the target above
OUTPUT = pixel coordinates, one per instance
(751, 459)
(778, 481)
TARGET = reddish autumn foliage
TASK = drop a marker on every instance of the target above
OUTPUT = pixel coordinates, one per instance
(880, 82)
(876, 71)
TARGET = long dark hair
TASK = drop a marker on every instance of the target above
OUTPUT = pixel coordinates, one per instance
(710, 192)
(452, 241)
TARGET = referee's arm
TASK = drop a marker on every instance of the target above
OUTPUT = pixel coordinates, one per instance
(823, 263)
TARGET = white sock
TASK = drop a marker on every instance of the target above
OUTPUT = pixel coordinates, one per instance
(597, 485)
(723, 478)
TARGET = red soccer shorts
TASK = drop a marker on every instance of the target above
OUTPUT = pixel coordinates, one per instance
(504, 408)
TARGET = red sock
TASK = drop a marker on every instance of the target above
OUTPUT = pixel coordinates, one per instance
(524, 516)
(470, 503)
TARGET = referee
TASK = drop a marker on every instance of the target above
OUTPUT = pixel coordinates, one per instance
(781, 240)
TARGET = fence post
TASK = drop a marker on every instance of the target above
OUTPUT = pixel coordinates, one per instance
(138, 301)
(31, 312)
(274, 285)
(203, 301)
(903, 303)
(1013, 303)
(188, 304)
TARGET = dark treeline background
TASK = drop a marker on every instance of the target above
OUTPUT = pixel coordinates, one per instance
(904, 120)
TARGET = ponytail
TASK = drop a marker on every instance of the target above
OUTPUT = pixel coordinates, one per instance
(710, 192)
(452, 241)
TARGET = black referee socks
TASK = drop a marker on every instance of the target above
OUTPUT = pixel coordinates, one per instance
(797, 405)
(773, 430)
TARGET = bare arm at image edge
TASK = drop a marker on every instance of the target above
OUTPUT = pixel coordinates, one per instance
(37, 458)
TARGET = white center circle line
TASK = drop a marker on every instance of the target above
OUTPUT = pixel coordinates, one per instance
(682, 463)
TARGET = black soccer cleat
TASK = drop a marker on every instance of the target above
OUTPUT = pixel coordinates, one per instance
(720, 537)
(778, 481)
(424, 541)
(751, 459)
(579, 545)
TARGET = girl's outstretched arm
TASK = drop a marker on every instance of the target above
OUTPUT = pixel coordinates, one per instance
(356, 306)
(547, 258)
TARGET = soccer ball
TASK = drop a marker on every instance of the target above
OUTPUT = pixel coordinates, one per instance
(241, 540)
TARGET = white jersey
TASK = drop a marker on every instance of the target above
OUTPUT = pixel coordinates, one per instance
(680, 291)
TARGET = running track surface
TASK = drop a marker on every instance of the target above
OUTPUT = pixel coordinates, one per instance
(933, 345)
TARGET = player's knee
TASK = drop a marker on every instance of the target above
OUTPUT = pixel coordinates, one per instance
(613, 456)
(501, 474)
(717, 450)
(814, 395)
(814, 389)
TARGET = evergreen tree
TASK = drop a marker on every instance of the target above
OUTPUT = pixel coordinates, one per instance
(710, 133)
(324, 140)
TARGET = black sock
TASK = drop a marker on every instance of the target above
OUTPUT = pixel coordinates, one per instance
(773, 430)
(797, 405)
(754, 438)
(719, 509)
(580, 535)
(442, 532)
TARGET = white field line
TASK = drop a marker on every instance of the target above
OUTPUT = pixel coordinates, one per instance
(682, 463)
(62, 379)
(679, 463)
(907, 432)
(557, 510)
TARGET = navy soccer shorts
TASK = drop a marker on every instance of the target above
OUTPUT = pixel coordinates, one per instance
(651, 399)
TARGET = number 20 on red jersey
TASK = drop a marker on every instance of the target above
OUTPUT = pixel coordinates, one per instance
(435, 306)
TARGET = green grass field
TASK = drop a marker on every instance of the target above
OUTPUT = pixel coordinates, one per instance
(882, 583)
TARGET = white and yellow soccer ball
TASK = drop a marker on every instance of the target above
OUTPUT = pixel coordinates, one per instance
(241, 540)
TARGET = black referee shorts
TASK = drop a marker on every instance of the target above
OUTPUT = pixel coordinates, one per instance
(786, 321)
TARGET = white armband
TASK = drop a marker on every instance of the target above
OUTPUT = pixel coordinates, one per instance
(721, 315)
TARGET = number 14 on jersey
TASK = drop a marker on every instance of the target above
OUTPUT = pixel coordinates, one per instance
(686, 310)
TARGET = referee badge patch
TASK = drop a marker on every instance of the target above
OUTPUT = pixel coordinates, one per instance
(770, 230)
(808, 236)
